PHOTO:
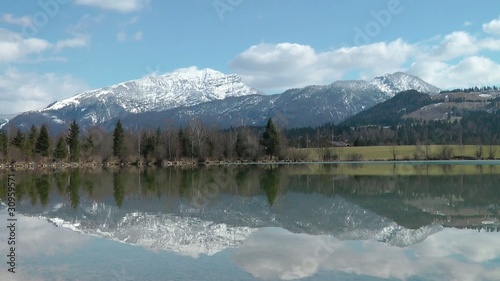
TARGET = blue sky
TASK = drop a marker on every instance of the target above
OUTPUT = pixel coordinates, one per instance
(53, 49)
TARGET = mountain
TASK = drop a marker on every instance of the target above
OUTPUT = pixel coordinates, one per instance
(4, 119)
(218, 99)
(400, 81)
(451, 105)
(390, 112)
(3, 122)
(187, 87)
(308, 106)
(416, 105)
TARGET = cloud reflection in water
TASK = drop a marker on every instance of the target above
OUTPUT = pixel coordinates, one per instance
(452, 254)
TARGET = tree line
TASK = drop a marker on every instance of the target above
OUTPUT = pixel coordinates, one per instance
(471, 89)
(473, 128)
(199, 142)
(195, 142)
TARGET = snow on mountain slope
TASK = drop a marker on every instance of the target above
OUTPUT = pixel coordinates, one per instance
(186, 87)
(309, 106)
(4, 119)
(3, 122)
(400, 82)
(219, 99)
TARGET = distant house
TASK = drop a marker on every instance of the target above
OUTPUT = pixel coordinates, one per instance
(338, 143)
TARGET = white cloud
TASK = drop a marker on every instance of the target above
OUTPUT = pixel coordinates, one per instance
(373, 59)
(471, 71)
(452, 61)
(133, 20)
(20, 21)
(138, 36)
(84, 23)
(77, 42)
(467, 23)
(21, 91)
(454, 45)
(122, 36)
(286, 65)
(492, 27)
(123, 6)
(14, 47)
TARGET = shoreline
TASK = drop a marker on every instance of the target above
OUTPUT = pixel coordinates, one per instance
(183, 163)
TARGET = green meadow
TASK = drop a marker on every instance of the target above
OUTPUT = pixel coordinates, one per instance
(405, 152)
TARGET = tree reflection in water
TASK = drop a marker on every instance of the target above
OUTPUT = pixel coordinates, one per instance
(270, 183)
(425, 193)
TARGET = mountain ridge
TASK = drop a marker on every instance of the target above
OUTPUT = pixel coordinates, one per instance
(312, 105)
(211, 96)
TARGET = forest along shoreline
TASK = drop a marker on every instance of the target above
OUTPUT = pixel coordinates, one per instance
(197, 144)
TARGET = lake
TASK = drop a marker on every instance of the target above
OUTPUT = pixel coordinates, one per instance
(363, 221)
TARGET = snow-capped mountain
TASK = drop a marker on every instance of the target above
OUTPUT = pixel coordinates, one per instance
(308, 106)
(211, 96)
(400, 82)
(185, 87)
(4, 119)
(155, 93)
(3, 122)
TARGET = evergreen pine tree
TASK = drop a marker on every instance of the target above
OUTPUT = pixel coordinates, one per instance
(30, 144)
(73, 142)
(186, 144)
(88, 146)
(119, 141)
(147, 145)
(61, 151)
(158, 136)
(42, 145)
(240, 146)
(18, 140)
(3, 143)
(270, 140)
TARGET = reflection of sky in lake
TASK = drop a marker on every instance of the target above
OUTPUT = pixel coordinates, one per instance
(451, 254)
(307, 227)
(46, 252)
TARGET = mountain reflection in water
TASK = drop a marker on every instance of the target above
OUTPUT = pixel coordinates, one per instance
(382, 221)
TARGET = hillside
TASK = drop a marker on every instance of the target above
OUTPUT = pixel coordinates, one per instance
(390, 112)
(454, 105)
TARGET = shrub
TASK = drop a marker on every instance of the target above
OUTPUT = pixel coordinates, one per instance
(355, 157)
(298, 155)
(328, 155)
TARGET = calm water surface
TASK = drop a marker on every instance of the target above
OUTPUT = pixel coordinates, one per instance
(289, 222)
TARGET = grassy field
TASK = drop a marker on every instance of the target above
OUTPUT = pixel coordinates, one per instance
(405, 152)
(387, 153)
